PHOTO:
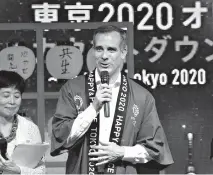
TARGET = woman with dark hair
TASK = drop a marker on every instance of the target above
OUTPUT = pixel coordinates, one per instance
(15, 129)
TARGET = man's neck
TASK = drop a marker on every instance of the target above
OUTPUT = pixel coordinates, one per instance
(114, 77)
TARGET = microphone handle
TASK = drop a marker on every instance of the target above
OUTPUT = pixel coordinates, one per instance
(106, 109)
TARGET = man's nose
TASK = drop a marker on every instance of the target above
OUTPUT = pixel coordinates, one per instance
(105, 55)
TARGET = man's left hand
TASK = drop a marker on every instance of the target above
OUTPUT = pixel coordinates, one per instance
(107, 152)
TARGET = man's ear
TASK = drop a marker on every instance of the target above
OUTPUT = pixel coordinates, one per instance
(93, 44)
(124, 52)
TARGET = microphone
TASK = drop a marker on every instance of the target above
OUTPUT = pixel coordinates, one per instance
(105, 79)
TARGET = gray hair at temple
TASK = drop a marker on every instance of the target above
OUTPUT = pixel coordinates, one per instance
(109, 29)
(11, 79)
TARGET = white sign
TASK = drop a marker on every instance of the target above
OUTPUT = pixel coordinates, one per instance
(90, 60)
(19, 59)
(64, 62)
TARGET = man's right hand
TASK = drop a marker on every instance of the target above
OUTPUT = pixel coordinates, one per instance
(103, 94)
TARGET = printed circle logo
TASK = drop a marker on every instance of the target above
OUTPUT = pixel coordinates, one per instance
(135, 110)
(78, 102)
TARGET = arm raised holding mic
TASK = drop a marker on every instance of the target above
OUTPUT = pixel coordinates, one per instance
(84, 119)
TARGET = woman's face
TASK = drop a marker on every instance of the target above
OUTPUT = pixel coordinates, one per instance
(10, 101)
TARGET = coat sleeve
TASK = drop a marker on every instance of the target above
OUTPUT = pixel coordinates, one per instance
(63, 119)
(151, 135)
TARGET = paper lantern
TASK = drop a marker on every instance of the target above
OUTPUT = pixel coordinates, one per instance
(64, 62)
(19, 59)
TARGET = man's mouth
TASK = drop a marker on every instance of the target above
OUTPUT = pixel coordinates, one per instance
(104, 65)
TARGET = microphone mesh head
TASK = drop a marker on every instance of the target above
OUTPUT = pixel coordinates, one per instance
(105, 77)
